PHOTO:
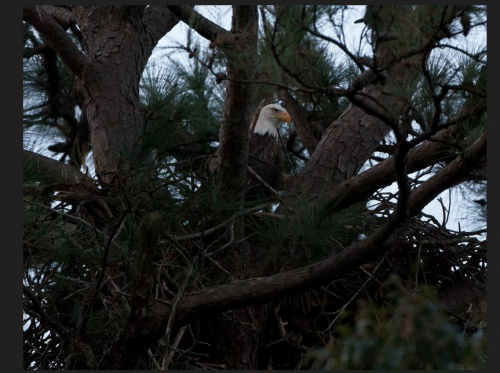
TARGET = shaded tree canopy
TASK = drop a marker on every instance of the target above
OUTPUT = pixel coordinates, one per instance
(136, 256)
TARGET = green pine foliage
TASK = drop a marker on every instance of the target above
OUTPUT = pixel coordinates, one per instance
(307, 236)
(291, 56)
(410, 331)
(182, 112)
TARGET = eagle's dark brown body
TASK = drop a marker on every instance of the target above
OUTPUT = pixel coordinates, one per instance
(266, 158)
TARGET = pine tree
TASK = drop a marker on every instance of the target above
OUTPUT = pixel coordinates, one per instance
(137, 256)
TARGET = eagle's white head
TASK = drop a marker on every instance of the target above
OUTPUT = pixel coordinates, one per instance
(269, 118)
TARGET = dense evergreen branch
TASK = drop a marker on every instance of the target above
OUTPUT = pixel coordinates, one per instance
(147, 290)
(220, 76)
(55, 36)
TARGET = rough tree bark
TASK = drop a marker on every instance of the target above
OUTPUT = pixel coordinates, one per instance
(241, 53)
(113, 40)
(239, 335)
(350, 140)
(117, 42)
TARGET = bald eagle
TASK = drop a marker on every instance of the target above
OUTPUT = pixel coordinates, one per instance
(265, 155)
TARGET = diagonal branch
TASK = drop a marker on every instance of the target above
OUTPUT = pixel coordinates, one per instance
(361, 186)
(63, 15)
(56, 172)
(260, 290)
(55, 36)
(458, 170)
(203, 26)
(263, 289)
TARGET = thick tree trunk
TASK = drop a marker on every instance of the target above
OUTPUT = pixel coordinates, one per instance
(344, 147)
(240, 331)
(241, 52)
(117, 43)
(350, 140)
(112, 38)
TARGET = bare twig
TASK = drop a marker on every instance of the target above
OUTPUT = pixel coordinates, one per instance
(175, 344)
(263, 182)
(355, 295)
(168, 329)
(216, 227)
(155, 362)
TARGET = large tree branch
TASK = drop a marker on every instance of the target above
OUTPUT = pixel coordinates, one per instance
(159, 20)
(55, 36)
(203, 26)
(344, 147)
(56, 172)
(457, 171)
(263, 289)
(240, 100)
(63, 15)
(300, 120)
(360, 187)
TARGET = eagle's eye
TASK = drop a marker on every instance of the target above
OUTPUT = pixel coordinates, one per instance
(274, 109)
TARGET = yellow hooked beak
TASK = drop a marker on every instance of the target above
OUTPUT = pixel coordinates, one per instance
(284, 116)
